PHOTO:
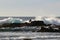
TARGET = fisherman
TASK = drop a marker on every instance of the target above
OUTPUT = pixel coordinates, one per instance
(30, 20)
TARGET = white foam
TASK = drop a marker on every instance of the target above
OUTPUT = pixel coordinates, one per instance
(10, 20)
(49, 20)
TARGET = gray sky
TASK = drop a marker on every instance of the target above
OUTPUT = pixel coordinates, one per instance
(29, 7)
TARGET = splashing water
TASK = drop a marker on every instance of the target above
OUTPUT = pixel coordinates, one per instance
(49, 20)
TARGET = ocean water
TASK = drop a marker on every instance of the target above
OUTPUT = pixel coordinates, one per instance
(30, 35)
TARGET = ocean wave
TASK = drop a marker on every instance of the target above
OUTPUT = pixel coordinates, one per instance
(49, 20)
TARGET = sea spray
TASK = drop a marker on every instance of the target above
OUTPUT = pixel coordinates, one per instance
(49, 20)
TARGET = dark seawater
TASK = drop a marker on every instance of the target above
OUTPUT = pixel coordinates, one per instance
(30, 35)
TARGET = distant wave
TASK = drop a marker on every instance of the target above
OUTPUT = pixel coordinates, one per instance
(11, 20)
(49, 20)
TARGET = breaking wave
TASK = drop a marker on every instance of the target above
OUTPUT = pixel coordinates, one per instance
(11, 20)
(49, 20)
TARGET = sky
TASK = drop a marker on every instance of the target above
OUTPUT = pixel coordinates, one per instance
(29, 7)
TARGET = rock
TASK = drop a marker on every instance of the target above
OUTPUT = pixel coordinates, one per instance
(27, 39)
